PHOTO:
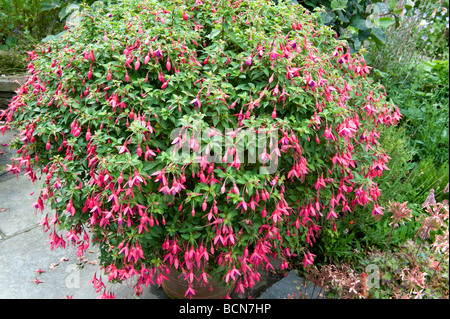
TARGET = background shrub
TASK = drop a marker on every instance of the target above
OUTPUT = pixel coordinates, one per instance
(25, 23)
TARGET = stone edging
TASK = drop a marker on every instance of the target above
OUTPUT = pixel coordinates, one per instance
(8, 87)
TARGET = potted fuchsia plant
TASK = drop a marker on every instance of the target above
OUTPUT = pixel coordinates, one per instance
(204, 137)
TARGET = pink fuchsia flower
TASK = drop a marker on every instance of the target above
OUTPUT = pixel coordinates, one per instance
(249, 60)
(308, 260)
(273, 55)
(39, 271)
(260, 53)
(320, 183)
(332, 214)
(232, 273)
(196, 102)
(329, 134)
(264, 157)
(377, 210)
(204, 276)
(37, 281)
(147, 59)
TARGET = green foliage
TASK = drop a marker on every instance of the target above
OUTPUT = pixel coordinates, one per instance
(405, 181)
(409, 180)
(427, 175)
(25, 23)
(410, 59)
(21, 22)
(427, 110)
(357, 21)
(395, 183)
(408, 45)
(12, 62)
(419, 146)
(340, 245)
(374, 234)
(433, 28)
(425, 106)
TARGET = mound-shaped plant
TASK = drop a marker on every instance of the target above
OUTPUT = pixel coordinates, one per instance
(210, 136)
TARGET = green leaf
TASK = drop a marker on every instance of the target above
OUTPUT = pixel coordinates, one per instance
(385, 22)
(214, 33)
(409, 4)
(328, 18)
(342, 17)
(185, 236)
(364, 34)
(359, 22)
(70, 9)
(242, 87)
(338, 4)
(398, 10)
(50, 5)
(52, 37)
(378, 36)
(392, 4)
(232, 36)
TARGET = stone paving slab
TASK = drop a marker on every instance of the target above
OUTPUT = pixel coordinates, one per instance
(22, 255)
(17, 194)
(291, 285)
(8, 87)
(16, 199)
(9, 83)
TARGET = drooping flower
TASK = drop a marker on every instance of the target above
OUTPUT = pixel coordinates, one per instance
(196, 102)
(249, 60)
(377, 210)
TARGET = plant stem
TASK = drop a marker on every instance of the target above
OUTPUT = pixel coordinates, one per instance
(421, 242)
(418, 248)
(435, 269)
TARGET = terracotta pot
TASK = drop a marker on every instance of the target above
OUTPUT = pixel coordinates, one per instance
(176, 287)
